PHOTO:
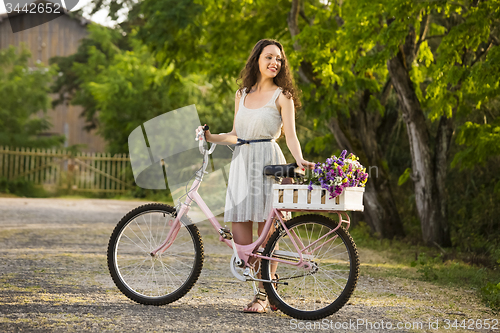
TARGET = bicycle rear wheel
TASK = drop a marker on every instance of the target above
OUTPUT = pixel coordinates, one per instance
(155, 280)
(323, 288)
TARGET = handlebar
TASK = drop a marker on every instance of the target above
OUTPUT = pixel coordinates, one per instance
(200, 137)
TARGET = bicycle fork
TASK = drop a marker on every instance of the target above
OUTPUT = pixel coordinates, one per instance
(172, 233)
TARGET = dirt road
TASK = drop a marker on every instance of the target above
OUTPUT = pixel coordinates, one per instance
(54, 278)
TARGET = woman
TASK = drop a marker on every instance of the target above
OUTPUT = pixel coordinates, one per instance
(266, 78)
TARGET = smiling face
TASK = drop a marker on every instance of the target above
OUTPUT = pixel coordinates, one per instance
(270, 61)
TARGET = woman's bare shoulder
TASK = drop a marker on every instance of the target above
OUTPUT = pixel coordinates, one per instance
(283, 99)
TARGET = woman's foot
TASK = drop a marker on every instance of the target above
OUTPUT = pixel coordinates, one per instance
(257, 306)
(276, 277)
(259, 303)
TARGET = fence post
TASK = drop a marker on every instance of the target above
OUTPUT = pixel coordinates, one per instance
(1, 161)
(69, 175)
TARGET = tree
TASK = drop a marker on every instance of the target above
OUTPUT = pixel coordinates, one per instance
(352, 103)
(24, 93)
(469, 36)
(431, 83)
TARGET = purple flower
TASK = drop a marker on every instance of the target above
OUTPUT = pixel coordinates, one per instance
(325, 173)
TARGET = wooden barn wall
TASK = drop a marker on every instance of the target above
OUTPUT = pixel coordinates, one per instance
(59, 37)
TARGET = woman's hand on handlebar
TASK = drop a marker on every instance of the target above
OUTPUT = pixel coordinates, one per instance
(199, 130)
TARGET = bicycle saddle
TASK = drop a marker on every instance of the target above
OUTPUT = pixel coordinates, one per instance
(283, 170)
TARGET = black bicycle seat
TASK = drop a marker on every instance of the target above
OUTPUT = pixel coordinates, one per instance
(283, 170)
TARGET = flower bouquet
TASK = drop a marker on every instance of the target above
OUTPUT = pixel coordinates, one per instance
(337, 173)
(342, 177)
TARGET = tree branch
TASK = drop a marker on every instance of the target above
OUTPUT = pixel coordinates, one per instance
(435, 36)
(303, 15)
(495, 39)
(293, 24)
(339, 135)
(482, 53)
(385, 92)
(306, 70)
(423, 34)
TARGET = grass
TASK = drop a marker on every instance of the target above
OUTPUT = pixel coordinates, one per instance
(440, 267)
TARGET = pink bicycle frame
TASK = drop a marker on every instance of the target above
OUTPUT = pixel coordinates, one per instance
(245, 251)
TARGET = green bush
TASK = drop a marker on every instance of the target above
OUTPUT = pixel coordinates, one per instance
(491, 295)
(425, 266)
(152, 195)
(22, 188)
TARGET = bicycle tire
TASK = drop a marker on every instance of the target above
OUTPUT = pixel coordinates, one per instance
(323, 290)
(154, 280)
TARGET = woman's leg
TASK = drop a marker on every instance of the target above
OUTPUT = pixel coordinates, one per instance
(243, 235)
(242, 232)
(273, 264)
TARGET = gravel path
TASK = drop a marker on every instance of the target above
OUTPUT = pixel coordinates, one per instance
(54, 278)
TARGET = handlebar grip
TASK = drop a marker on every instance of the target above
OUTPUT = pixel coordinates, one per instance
(206, 128)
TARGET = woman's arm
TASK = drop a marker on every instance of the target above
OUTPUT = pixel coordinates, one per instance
(288, 116)
(225, 138)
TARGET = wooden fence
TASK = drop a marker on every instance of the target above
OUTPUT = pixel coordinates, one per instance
(83, 172)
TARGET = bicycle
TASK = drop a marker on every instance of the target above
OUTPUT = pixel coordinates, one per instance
(155, 254)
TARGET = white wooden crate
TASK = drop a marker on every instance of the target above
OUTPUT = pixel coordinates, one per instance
(299, 197)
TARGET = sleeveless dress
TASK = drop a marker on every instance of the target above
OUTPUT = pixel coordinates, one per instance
(249, 192)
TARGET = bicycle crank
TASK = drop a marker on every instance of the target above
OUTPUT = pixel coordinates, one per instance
(235, 268)
(246, 274)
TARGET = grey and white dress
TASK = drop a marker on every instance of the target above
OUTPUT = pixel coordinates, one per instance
(249, 192)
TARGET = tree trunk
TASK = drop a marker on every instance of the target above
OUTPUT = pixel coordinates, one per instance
(382, 211)
(361, 138)
(443, 141)
(428, 195)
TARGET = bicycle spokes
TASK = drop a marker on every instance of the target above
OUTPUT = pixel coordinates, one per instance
(154, 279)
(326, 279)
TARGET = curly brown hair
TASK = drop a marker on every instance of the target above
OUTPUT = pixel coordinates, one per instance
(284, 79)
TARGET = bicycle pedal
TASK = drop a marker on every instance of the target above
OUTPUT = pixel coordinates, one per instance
(225, 233)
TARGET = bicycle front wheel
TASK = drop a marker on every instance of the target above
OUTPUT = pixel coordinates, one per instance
(161, 279)
(329, 279)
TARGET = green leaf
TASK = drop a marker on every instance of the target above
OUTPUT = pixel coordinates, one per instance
(404, 177)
